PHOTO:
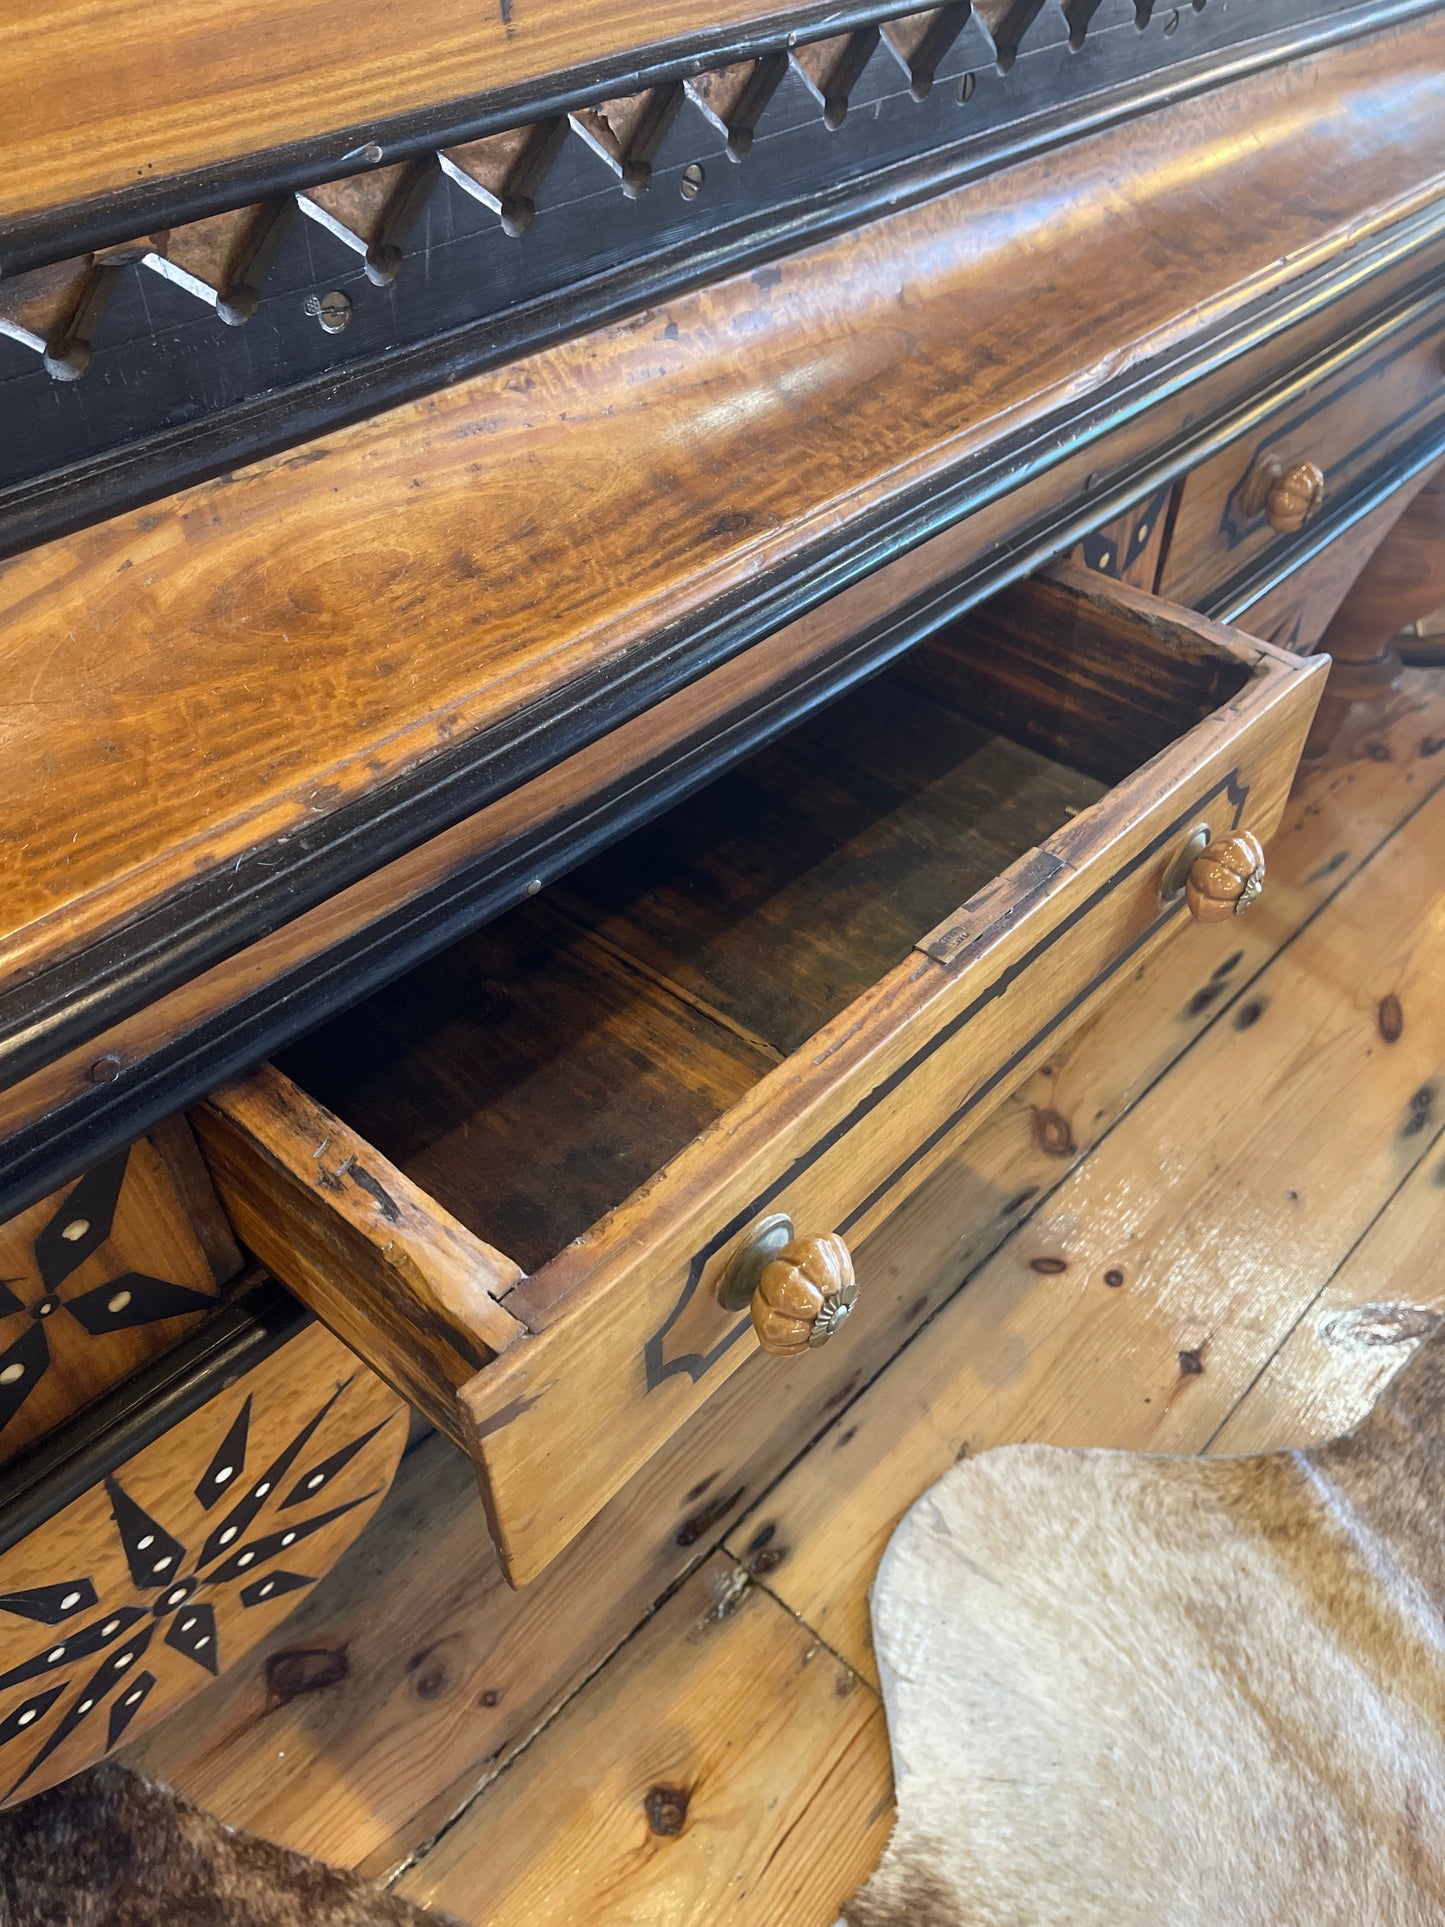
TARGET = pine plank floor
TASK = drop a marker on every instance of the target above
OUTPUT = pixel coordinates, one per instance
(1211, 1223)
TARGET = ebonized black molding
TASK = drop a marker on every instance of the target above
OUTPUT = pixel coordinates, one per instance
(303, 384)
(76, 1456)
(107, 219)
(62, 1007)
(44, 1156)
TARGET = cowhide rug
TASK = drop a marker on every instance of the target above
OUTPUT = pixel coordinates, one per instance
(113, 1849)
(1149, 1692)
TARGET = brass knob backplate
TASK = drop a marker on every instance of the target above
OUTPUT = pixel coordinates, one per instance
(1294, 498)
(1225, 878)
(799, 1291)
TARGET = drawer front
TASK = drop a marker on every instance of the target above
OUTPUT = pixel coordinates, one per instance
(133, 1597)
(1254, 496)
(605, 1350)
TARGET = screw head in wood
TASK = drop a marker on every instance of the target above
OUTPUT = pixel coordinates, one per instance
(332, 310)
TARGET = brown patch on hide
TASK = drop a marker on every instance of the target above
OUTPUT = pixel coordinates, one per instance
(113, 1849)
(910, 1895)
(1278, 1618)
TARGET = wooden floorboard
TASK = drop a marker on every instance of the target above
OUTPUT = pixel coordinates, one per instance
(392, 1702)
(701, 1776)
(1136, 1307)
(1383, 1302)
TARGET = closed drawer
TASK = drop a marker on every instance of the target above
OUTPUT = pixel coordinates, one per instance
(515, 1180)
(1376, 408)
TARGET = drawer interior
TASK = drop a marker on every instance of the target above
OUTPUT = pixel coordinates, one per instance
(533, 1075)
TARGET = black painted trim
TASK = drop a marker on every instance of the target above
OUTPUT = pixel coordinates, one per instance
(71, 1460)
(63, 1006)
(41, 1157)
(77, 227)
(119, 479)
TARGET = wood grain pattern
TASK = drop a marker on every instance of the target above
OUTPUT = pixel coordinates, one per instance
(139, 1593)
(393, 627)
(627, 1321)
(438, 1673)
(1343, 427)
(788, 887)
(1380, 1306)
(1094, 675)
(528, 1078)
(1403, 580)
(383, 1264)
(626, 1327)
(1194, 1277)
(638, 1786)
(288, 70)
(102, 1276)
(617, 759)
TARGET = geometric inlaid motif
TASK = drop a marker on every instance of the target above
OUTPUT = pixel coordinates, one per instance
(174, 1566)
(93, 1282)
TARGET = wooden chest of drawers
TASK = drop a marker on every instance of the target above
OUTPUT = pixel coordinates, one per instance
(547, 718)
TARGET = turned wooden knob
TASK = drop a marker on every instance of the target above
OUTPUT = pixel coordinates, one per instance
(797, 1290)
(1225, 878)
(1294, 497)
(803, 1295)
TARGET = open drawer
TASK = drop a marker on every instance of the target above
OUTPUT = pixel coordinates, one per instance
(790, 996)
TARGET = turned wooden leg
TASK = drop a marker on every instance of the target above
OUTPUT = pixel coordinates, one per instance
(1403, 581)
